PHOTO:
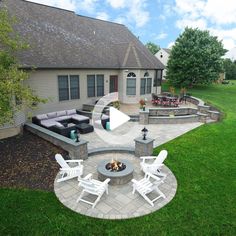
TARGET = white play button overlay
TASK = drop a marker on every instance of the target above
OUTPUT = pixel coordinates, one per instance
(117, 118)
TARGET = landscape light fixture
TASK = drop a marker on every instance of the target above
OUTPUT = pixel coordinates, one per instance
(144, 132)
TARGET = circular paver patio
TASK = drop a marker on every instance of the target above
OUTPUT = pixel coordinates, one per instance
(120, 203)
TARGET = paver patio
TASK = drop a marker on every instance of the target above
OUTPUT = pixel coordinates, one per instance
(120, 203)
(161, 133)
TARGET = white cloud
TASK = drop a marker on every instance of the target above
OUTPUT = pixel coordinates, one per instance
(229, 43)
(213, 15)
(200, 23)
(190, 14)
(135, 11)
(231, 54)
(216, 11)
(171, 44)
(117, 3)
(228, 36)
(224, 33)
(138, 14)
(220, 12)
(64, 4)
(168, 10)
(120, 20)
(102, 16)
(161, 36)
(86, 5)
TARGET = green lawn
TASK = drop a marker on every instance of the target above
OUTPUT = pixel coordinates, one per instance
(204, 163)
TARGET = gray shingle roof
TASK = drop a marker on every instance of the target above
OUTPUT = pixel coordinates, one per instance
(167, 50)
(62, 39)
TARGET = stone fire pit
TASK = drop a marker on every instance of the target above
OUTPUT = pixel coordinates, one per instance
(117, 177)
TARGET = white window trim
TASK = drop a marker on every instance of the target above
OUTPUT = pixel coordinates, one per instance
(131, 77)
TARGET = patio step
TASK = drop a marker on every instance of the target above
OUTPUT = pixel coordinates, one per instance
(134, 118)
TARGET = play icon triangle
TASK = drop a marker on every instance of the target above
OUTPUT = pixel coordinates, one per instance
(117, 118)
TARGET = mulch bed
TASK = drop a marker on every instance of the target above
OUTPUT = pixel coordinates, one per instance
(28, 161)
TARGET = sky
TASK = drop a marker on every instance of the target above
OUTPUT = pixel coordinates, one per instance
(161, 21)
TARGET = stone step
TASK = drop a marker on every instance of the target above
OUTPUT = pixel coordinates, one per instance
(134, 118)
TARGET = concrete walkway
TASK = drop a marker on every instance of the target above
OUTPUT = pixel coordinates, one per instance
(120, 203)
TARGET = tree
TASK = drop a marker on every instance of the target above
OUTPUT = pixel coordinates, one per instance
(230, 69)
(14, 95)
(195, 59)
(152, 47)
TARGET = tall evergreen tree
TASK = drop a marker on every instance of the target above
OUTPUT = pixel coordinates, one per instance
(195, 59)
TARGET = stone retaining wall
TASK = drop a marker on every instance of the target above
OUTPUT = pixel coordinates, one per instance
(173, 120)
(179, 115)
(76, 150)
(182, 111)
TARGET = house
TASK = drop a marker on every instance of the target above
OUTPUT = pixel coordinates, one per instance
(77, 59)
(163, 55)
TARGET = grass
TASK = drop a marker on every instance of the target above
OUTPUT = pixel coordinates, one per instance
(204, 163)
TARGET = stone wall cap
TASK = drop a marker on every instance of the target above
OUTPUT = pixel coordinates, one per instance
(146, 111)
(140, 140)
(202, 114)
(215, 112)
(204, 106)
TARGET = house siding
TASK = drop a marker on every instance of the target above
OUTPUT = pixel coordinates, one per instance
(163, 59)
(45, 85)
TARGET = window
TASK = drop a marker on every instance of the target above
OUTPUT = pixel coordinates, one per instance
(63, 87)
(158, 78)
(68, 87)
(149, 85)
(74, 87)
(100, 85)
(91, 85)
(95, 85)
(131, 84)
(143, 86)
(146, 85)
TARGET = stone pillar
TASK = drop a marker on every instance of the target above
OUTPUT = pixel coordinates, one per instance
(143, 117)
(143, 147)
(79, 150)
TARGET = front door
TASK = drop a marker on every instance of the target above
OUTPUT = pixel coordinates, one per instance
(113, 83)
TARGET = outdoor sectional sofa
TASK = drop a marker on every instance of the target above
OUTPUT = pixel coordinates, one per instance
(57, 121)
(62, 122)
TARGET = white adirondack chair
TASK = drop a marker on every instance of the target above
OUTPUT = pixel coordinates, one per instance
(145, 186)
(155, 166)
(94, 187)
(66, 171)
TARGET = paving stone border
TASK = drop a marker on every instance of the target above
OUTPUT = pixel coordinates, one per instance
(120, 203)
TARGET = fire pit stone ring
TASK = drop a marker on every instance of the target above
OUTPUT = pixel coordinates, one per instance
(117, 177)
